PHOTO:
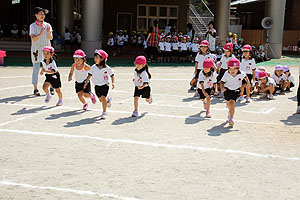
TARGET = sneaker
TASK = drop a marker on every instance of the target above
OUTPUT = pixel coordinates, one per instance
(36, 93)
(208, 114)
(231, 122)
(248, 99)
(103, 116)
(85, 106)
(263, 96)
(270, 96)
(204, 104)
(151, 100)
(51, 91)
(196, 94)
(192, 88)
(59, 103)
(241, 98)
(109, 102)
(220, 95)
(135, 114)
(288, 89)
(48, 97)
(93, 98)
(298, 110)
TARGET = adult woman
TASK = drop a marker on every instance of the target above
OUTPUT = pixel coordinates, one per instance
(211, 35)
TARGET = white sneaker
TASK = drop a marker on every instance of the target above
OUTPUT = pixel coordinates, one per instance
(263, 96)
(248, 99)
(270, 96)
(298, 110)
(103, 116)
(109, 102)
(241, 98)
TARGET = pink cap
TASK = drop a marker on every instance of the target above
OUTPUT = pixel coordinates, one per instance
(196, 39)
(79, 54)
(188, 37)
(208, 63)
(140, 60)
(279, 67)
(101, 53)
(49, 48)
(228, 47)
(204, 43)
(286, 68)
(233, 62)
(262, 75)
(183, 38)
(247, 47)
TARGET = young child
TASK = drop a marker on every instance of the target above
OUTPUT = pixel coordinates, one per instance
(110, 43)
(195, 48)
(266, 85)
(100, 73)
(223, 67)
(207, 80)
(168, 49)
(189, 48)
(142, 83)
(279, 78)
(175, 45)
(52, 74)
(81, 68)
(161, 48)
(120, 42)
(202, 55)
(231, 83)
(183, 49)
(248, 66)
(290, 78)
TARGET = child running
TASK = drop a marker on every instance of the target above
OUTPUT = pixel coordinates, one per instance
(100, 73)
(81, 68)
(52, 74)
(248, 66)
(207, 80)
(141, 81)
(230, 85)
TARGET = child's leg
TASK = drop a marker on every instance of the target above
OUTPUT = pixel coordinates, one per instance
(208, 104)
(242, 90)
(46, 85)
(230, 105)
(103, 100)
(87, 95)
(136, 103)
(58, 92)
(248, 88)
(80, 97)
(271, 89)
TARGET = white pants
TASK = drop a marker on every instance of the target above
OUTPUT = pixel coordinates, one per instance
(35, 73)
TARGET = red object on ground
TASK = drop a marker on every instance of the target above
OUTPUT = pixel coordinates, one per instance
(2, 55)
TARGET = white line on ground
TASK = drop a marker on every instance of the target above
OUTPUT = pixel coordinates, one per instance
(22, 86)
(148, 114)
(171, 146)
(80, 192)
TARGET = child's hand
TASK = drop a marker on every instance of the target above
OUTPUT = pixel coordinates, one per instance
(223, 90)
(133, 80)
(48, 29)
(84, 86)
(113, 86)
(206, 95)
(41, 73)
(216, 93)
(140, 88)
(70, 78)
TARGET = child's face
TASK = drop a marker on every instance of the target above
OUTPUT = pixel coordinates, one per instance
(98, 59)
(162, 39)
(206, 70)
(204, 49)
(279, 72)
(168, 39)
(227, 53)
(139, 67)
(287, 73)
(246, 54)
(196, 41)
(40, 16)
(233, 70)
(263, 80)
(47, 54)
(188, 39)
(183, 40)
(78, 61)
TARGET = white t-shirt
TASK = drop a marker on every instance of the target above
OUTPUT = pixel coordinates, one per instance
(207, 81)
(80, 72)
(195, 47)
(168, 46)
(248, 65)
(291, 79)
(51, 66)
(270, 81)
(280, 78)
(38, 46)
(183, 46)
(24, 32)
(101, 76)
(233, 82)
(14, 31)
(140, 79)
(161, 46)
(120, 40)
(189, 45)
(200, 59)
(175, 46)
(111, 41)
(68, 36)
(224, 60)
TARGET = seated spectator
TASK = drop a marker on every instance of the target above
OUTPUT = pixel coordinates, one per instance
(14, 32)
(25, 35)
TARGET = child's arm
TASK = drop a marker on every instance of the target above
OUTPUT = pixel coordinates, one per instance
(253, 78)
(87, 80)
(143, 86)
(71, 73)
(222, 87)
(42, 71)
(196, 67)
(247, 80)
(112, 82)
(216, 89)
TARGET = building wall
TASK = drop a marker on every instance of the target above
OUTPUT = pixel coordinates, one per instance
(292, 16)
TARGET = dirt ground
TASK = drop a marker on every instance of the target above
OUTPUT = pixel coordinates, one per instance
(171, 151)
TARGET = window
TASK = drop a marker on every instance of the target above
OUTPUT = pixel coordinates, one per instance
(15, 1)
(165, 14)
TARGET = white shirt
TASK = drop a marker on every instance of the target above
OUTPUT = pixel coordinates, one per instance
(291, 79)
(101, 76)
(280, 78)
(67, 36)
(168, 46)
(120, 40)
(200, 59)
(248, 65)
(161, 46)
(110, 42)
(224, 60)
(81, 73)
(189, 45)
(195, 47)
(207, 81)
(233, 82)
(51, 66)
(183, 46)
(175, 46)
(140, 79)
(38, 46)
(270, 81)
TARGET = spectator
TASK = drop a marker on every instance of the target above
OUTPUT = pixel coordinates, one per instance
(168, 29)
(67, 39)
(25, 33)
(1, 33)
(153, 40)
(211, 35)
(14, 32)
(190, 31)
